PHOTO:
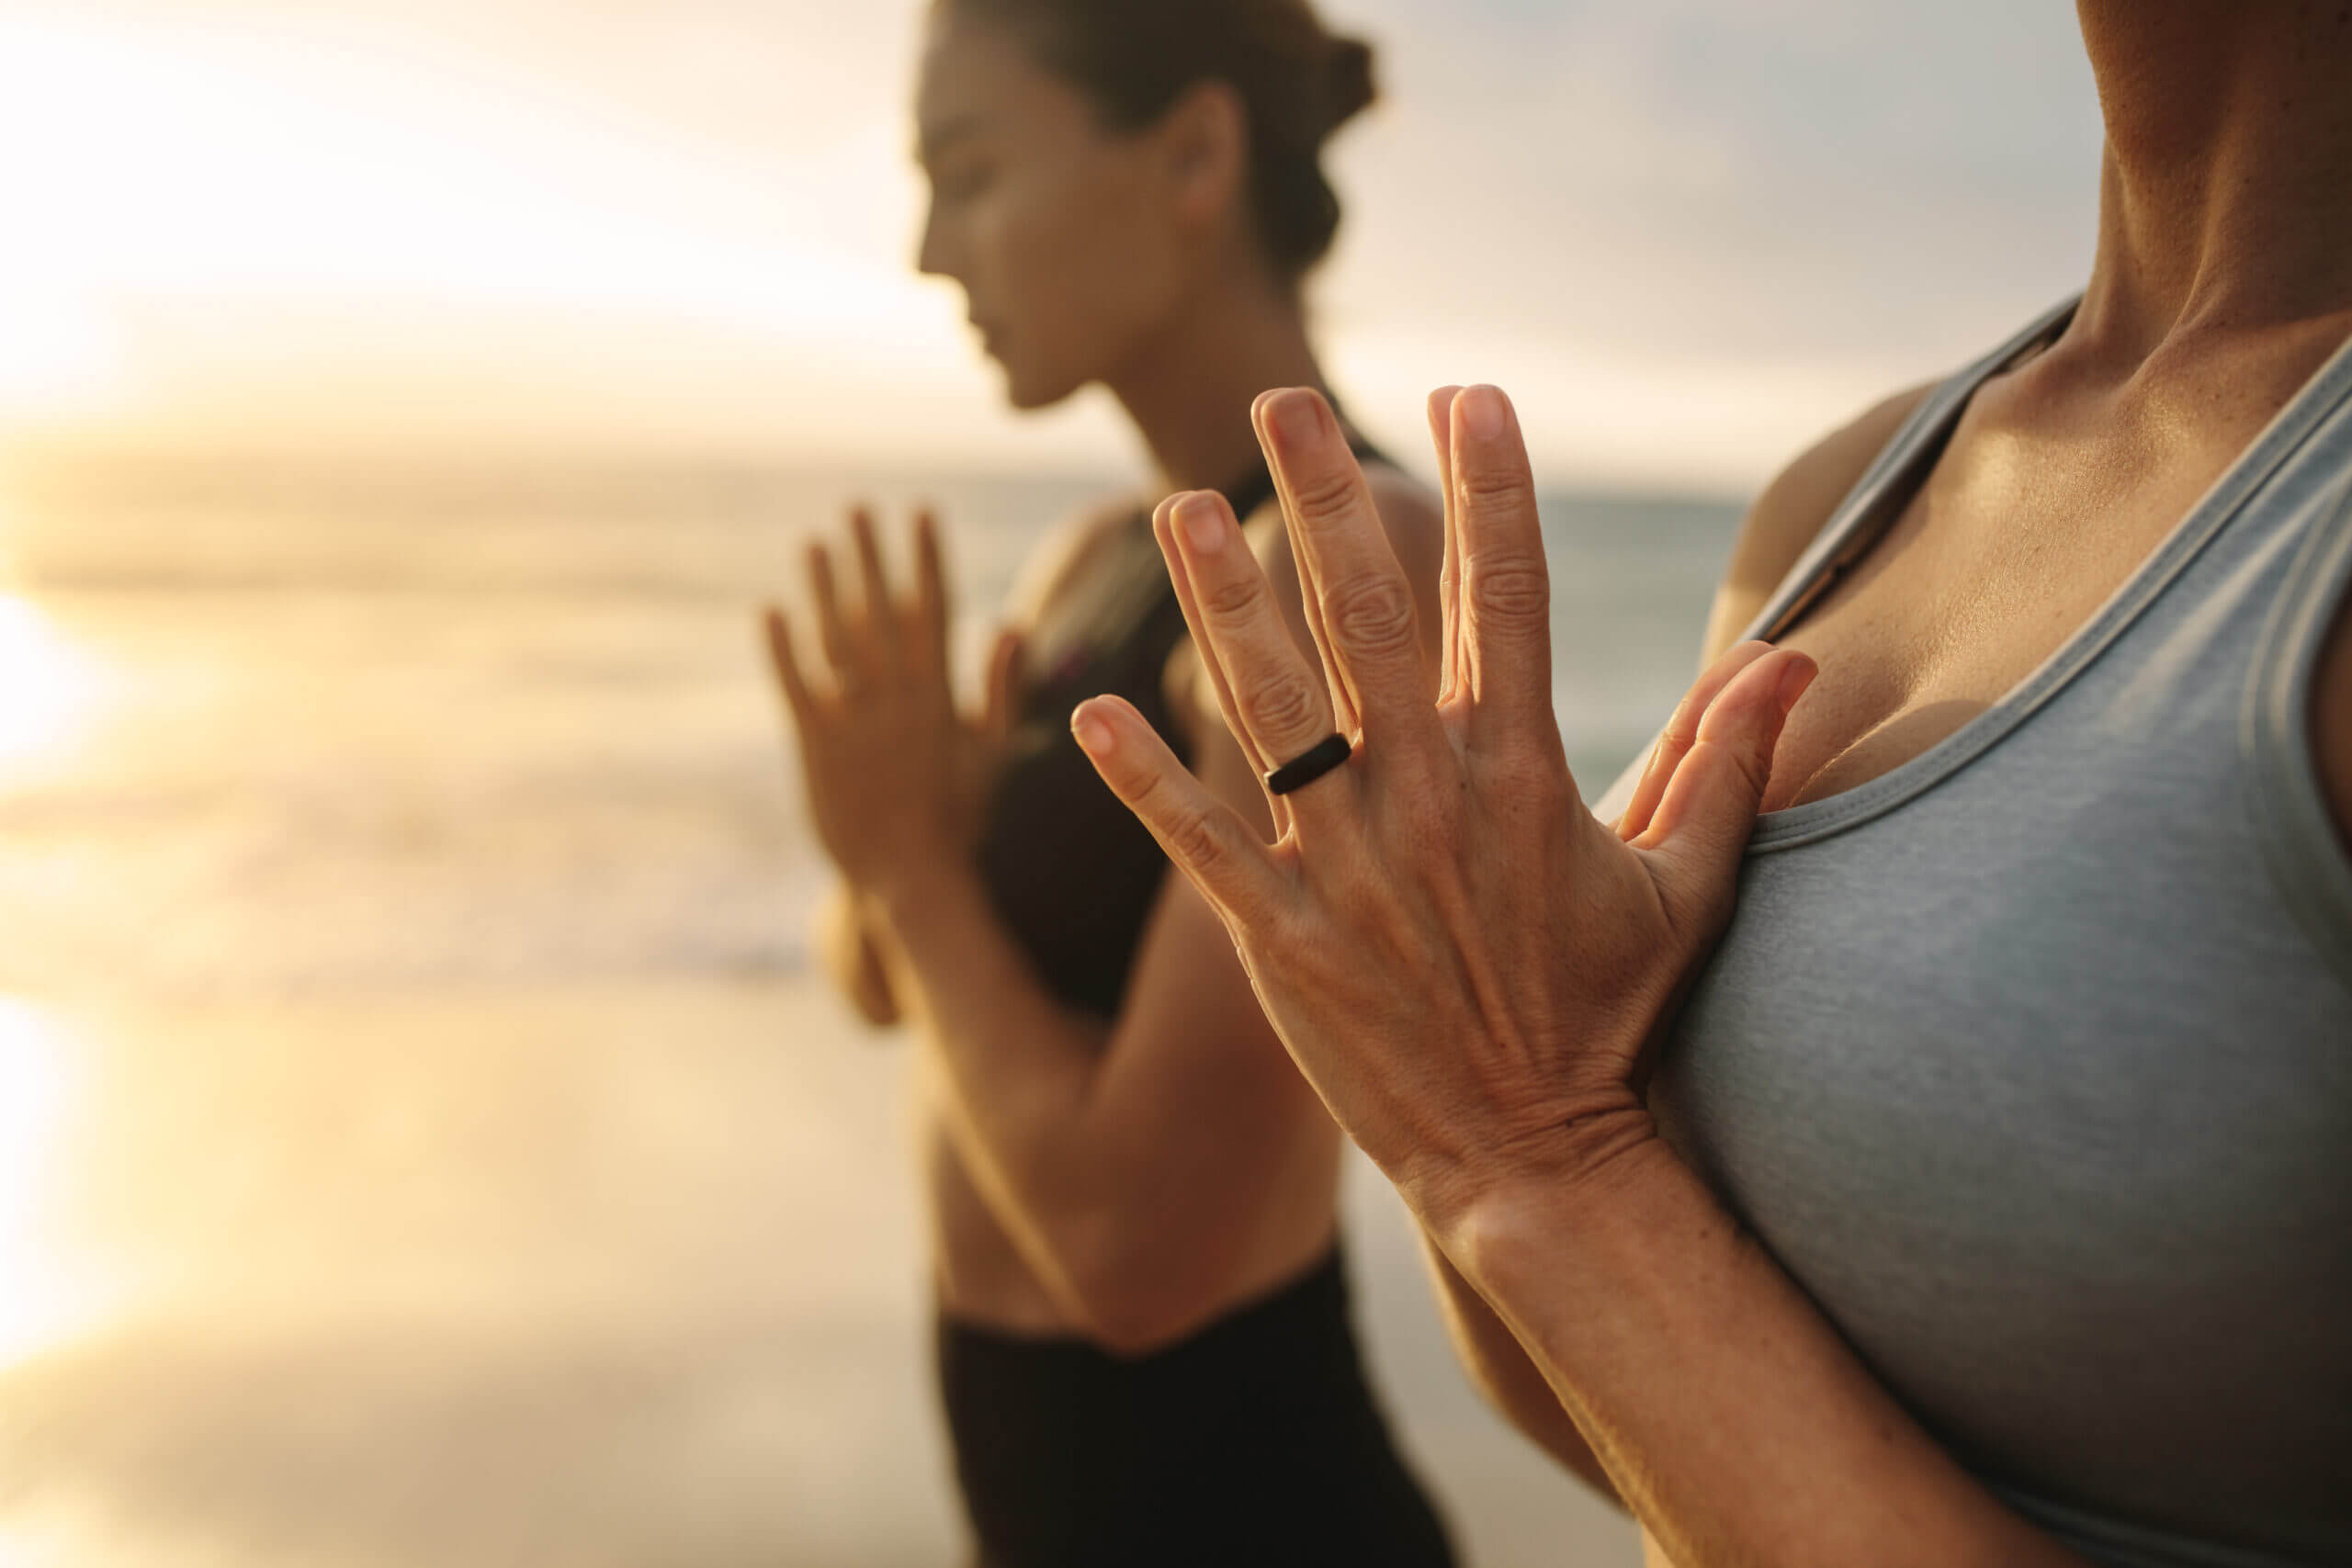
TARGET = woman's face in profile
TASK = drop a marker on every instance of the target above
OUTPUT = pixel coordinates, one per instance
(1060, 233)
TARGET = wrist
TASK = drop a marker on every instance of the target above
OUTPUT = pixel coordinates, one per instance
(916, 880)
(1545, 1191)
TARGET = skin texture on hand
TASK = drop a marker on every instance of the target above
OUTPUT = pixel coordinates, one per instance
(1462, 961)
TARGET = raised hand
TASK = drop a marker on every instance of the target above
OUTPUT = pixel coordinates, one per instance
(897, 775)
(1465, 962)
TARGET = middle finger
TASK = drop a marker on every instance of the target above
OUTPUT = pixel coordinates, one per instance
(1368, 625)
(881, 627)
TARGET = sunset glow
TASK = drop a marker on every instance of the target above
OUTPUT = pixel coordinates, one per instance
(229, 227)
(249, 225)
(37, 1304)
(50, 686)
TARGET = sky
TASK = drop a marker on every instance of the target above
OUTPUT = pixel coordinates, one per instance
(1688, 235)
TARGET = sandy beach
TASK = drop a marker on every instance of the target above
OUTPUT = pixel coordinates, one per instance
(626, 1276)
(457, 1164)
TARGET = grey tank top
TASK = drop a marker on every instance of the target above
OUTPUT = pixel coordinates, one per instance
(2031, 1060)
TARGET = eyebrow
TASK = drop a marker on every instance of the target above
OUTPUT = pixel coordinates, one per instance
(930, 140)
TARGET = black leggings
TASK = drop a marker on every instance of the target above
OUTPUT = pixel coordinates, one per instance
(1254, 1442)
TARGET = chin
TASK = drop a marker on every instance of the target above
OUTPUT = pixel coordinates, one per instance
(1026, 392)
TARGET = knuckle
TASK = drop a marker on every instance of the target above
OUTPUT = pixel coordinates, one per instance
(1195, 840)
(1755, 765)
(1230, 599)
(1681, 731)
(1374, 614)
(1282, 705)
(1509, 588)
(1325, 495)
(1488, 484)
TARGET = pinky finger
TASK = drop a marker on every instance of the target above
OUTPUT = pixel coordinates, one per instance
(1205, 838)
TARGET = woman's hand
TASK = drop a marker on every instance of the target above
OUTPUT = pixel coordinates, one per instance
(897, 775)
(1466, 964)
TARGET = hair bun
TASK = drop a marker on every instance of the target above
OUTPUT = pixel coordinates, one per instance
(1349, 87)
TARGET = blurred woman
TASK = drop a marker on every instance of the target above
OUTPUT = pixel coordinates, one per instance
(1980, 1192)
(1143, 1338)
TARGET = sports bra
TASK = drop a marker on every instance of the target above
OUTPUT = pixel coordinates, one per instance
(2031, 1059)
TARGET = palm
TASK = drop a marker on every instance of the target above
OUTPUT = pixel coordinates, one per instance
(895, 773)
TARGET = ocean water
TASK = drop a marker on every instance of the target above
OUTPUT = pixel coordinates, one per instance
(420, 1140)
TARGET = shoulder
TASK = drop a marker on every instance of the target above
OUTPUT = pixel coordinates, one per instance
(1792, 510)
(1065, 556)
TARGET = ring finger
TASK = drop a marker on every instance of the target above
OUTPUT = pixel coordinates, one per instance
(1276, 705)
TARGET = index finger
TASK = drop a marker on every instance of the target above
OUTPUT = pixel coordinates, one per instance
(1368, 625)
(881, 618)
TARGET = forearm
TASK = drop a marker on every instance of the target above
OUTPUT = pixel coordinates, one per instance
(846, 951)
(1729, 1414)
(1018, 1067)
(1513, 1383)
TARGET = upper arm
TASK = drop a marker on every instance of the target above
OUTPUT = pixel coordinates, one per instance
(1792, 510)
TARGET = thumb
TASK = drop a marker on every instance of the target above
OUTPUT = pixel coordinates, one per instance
(1704, 821)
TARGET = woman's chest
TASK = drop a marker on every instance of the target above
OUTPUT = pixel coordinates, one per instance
(1997, 561)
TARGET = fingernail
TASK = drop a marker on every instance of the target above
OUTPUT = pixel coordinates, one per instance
(1204, 529)
(1094, 735)
(1794, 681)
(1484, 413)
(1296, 418)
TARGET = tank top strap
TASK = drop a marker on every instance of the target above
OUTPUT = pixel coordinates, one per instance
(1879, 497)
(1872, 506)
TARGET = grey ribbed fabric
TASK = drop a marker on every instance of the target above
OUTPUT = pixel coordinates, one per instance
(2031, 1060)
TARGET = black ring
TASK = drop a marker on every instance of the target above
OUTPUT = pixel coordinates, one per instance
(1311, 764)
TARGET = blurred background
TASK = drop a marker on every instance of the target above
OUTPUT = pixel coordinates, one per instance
(420, 1140)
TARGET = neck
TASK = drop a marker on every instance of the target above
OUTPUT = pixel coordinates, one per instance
(2225, 200)
(1190, 386)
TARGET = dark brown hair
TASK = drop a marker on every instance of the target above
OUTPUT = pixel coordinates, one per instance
(1298, 83)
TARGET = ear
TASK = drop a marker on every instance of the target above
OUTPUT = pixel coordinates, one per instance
(1204, 152)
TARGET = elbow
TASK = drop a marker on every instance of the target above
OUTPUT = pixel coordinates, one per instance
(1134, 1300)
(875, 1004)
(1137, 1329)
(846, 954)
